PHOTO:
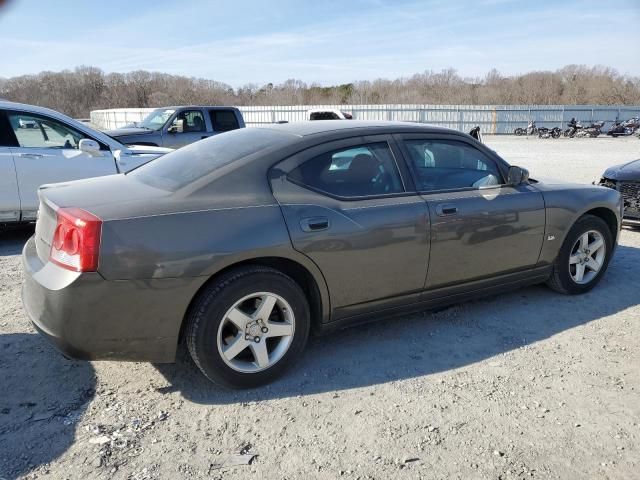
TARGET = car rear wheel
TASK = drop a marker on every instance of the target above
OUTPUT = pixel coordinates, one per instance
(583, 257)
(248, 326)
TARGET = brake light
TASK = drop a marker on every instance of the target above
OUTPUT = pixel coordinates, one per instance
(76, 241)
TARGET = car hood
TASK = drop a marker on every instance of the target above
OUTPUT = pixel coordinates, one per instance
(122, 132)
(625, 171)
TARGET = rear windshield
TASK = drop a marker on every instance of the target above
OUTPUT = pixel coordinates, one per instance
(188, 164)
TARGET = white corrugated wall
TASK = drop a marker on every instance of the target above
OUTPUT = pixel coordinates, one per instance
(491, 118)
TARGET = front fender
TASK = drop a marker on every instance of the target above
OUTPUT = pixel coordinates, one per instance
(567, 203)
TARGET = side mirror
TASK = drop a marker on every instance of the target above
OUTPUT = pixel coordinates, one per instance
(517, 175)
(177, 127)
(89, 146)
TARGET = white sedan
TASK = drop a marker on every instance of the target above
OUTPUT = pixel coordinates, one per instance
(39, 146)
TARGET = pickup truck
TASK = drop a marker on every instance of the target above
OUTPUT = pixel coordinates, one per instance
(40, 146)
(176, 127)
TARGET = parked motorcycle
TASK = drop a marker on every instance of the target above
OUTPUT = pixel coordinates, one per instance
(576, 129)
(544, 132)
(530, 130)
(628, 127)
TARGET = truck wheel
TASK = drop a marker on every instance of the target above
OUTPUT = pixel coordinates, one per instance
(247, 327)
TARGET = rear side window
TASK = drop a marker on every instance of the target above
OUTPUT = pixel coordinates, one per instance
(362, 171)
(223, 120)
(449, 164)
(193, 162)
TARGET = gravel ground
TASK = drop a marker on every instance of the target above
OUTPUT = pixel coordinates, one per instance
(526, 384)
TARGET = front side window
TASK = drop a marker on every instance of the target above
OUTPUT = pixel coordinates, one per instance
(193, 121)
(449, 164)
(362, 171)
(156, 119)
(223, 120)
(35, 131)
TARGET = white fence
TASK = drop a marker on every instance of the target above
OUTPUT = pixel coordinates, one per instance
(491, 118)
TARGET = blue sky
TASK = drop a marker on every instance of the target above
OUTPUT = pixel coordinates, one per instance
(323, 41)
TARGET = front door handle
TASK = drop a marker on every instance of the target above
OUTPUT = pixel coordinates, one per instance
(446, 209)
(314, 224)
(32, 155)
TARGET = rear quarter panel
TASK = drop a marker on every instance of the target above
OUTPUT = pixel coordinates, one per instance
(198, 244)
(190, 244)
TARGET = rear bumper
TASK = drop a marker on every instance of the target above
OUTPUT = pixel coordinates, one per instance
(87, 317)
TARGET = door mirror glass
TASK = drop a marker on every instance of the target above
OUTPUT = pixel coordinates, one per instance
(90, 146)
(177, 127)
(517, 175)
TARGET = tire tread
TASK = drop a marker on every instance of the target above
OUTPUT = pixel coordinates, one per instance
(208, 295)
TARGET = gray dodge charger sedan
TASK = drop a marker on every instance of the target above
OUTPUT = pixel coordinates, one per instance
(244, 243)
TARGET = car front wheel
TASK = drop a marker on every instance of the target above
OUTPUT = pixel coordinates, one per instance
(248, 326)
(583, 257)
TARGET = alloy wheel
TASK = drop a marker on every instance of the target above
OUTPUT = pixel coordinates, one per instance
(587, 257)
(256, 332)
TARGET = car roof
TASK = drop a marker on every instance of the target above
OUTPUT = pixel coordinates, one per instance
(318, 127)
(31, 108)
(215, 107)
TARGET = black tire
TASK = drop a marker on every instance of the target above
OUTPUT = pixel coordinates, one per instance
(212, 304)
(518, 131)
(560, 279)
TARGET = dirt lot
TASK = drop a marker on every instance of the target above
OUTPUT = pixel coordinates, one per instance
(527, 384)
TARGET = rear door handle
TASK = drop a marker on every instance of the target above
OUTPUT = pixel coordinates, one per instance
(446, 209)
(314, 224)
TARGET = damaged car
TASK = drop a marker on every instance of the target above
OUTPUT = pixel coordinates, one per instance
(625, 178)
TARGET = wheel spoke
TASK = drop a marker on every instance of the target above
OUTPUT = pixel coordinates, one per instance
(260, 353)
(584, 241)
(593, 264)
(277, 329)
(596, 245)
(266, 307)
(579, 272)
(236, 346)
(573, 259)
(238, 318)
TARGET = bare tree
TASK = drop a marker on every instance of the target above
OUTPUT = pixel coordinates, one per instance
(88, 88)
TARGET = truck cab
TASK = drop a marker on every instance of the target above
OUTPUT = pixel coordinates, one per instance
(175, 127)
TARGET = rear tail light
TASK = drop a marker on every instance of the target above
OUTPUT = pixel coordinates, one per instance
(76, 241)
